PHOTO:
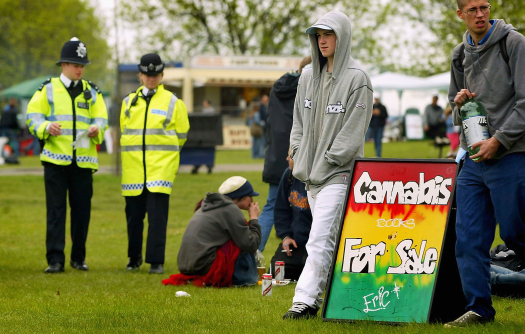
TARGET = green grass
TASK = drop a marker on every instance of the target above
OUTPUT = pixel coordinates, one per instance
(108, 299)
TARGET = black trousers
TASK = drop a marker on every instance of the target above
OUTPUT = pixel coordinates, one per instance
(61, 181)
(156, 205)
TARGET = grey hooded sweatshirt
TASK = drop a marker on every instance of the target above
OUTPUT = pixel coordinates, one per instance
(218, 220)
(323, 148)
(498, 86)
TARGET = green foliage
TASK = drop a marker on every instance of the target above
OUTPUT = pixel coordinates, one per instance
(222, 26)
(32, 34)
(438, 19)
(182, 28)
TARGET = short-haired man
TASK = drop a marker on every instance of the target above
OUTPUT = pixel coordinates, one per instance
(492, 188)
(69, 115)
(434, 119)
(332, 111)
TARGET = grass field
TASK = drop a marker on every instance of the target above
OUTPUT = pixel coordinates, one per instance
(107, 299)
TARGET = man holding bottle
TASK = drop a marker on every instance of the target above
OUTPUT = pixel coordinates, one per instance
(491, 184)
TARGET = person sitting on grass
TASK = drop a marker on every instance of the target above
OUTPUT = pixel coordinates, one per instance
(292, 221)
(218, 245)
(507, 273)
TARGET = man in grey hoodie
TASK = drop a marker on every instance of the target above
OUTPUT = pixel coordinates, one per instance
(333, 108)
(492, 188)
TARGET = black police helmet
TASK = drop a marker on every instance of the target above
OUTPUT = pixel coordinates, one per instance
(74, 51)
(151, 64)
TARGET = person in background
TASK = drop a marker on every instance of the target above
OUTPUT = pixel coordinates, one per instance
(433, 122)
(452, 133)
(154, 125)
(207, 108)
(490, 187)
(218, 246)
(9, 125)
(258, 141)
(278, 127)
(68, 113)
(332, 112)
(263, 109)
(377, 123)
(293, 221)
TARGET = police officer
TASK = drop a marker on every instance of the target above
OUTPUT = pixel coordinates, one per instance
(69, 115)
(154, 125)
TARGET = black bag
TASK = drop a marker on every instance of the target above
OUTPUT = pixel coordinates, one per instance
(504, 257)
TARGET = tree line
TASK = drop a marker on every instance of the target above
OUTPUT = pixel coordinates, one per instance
(411, 36)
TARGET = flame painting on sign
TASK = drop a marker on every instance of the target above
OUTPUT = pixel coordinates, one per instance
(391, 239)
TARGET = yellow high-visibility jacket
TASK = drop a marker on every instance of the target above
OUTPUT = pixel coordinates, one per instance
(153, 134)
(52, 103)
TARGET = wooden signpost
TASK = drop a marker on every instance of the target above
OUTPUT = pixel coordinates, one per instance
(394, 258)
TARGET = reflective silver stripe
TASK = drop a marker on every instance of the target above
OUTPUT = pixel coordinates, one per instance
(36, 116)
(182, 135)
(36, 119)
(60, 118)
(134, 148)
(36, 124)
(49, 93)
(126, 100)
(171, 107)
(140, 132)
(64, 118)
(84, 119)
(102, 122)
(93, 96)
(69, 132)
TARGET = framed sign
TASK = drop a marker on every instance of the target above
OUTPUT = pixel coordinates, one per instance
(391, 243)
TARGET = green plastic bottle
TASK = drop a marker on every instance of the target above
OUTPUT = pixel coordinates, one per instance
(475, 125)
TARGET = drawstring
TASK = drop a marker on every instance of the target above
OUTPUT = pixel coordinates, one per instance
(480, 68)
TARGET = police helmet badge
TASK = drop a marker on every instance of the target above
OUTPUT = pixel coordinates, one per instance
(81, 50)
(74, 51)
(151, 64)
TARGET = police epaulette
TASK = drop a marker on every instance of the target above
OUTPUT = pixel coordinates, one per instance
(94, 86)
(48, 80)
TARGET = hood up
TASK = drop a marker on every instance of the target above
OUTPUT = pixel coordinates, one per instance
(340, 24)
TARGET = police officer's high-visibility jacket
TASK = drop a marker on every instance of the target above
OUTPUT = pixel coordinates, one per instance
(153, 133)
(52, 103)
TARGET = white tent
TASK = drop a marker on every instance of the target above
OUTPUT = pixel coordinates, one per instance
(394, 81)
(402, 82)
(400, 92)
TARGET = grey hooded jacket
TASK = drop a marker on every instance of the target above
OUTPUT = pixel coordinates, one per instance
(218, 220)
(348, 113)
(499, 86)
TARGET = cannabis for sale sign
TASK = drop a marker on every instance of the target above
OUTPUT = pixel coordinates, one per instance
(388, 253)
